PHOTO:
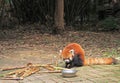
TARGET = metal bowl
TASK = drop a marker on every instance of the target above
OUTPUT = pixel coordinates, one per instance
(69, 72)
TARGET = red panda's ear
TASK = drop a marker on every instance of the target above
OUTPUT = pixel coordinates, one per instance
(60, 52)
(72, 51)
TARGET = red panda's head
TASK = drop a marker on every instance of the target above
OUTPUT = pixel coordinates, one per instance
(67, 55)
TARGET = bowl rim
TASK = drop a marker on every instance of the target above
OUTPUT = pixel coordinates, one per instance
(66, 71)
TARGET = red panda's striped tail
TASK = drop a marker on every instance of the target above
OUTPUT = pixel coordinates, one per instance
(100, 61)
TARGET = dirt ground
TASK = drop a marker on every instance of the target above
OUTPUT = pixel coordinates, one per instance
(19, 47)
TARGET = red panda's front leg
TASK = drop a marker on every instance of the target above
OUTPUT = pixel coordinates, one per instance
(69, 65)
(75, 62)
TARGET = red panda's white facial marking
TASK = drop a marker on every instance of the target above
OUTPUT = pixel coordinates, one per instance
(67, 60)
(69, 57)
(72, 52)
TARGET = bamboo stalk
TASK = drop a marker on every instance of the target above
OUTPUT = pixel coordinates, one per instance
(15, 72)
(49, 67)
(11, 68)
(50, 71)
(17, 78)
(22, 73)
(30, 71)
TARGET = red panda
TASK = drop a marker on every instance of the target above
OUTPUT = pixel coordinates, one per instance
(74, 55)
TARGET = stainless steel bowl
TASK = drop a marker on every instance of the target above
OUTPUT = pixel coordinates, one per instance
(69, 72)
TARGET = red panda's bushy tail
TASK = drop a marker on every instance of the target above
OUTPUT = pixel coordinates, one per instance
(100, 61)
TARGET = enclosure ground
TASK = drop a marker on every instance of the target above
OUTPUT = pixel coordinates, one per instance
(19, 48)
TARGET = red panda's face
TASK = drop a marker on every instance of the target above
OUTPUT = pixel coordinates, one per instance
(67, 55)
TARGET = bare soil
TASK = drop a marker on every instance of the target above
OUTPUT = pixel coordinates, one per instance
(20, 46)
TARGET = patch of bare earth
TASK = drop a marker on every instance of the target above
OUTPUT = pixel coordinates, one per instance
(24, 45)
(18, 48)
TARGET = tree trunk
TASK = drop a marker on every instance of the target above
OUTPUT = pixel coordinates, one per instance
(59, 15)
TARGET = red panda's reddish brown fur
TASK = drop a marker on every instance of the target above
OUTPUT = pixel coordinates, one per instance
(99, 61)
(78, 50)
